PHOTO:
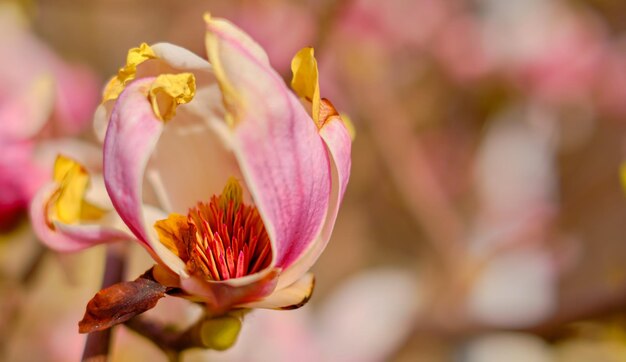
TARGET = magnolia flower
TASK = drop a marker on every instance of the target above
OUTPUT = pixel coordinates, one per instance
(42, 100)
(247, 176)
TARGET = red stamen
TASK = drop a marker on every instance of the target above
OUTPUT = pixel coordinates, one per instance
(225, 239)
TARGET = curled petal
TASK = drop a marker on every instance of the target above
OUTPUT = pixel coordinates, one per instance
(224, 295)
(179, 58)
(161, 58)
(284, 161)
(169, 91)
(305, 81)
(291, 297)
(70, 237)
(131, 137)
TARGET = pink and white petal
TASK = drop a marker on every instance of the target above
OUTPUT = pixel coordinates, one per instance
(339, 145)
(174, 59)
(70, 238)
(225, 28)
(85, 153)
(170, 59)
(221, 296)
(130, 140)
(192, 158)
(179, 57)
(284, 161)
(101, 120)
(291, 297)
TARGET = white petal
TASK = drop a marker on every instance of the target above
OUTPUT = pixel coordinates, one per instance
(291, 297)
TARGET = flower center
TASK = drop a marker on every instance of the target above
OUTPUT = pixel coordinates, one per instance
(220, 239)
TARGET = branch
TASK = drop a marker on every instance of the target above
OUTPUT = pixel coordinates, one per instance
(98, 343)
(219, 333)
(169, 341)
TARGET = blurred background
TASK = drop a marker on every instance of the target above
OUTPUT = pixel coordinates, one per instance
(484, 220)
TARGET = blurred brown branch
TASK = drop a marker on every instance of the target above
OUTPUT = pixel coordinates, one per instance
(98, 343)
(169, 341)
(12, 312)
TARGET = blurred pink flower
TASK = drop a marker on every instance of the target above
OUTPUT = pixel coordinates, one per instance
(366, 319)
(551, 51)
(460, 49)
(250, 246)
(612, 82)
(41, 99)
(266, 21)
(396, 25)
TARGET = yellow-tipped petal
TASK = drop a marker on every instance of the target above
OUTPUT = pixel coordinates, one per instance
(169, 91)
(127, 73)
(230, 97)
(347, 121)
(69, 203)
(305, 81)
(170, 231)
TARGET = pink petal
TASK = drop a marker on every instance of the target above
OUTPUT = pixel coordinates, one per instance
(283, 159)
(223, 295)
(171, 59)
(68, 238)
(179, 58)
(339, 144)
(291, 297)
(131, 137)
(191, 161)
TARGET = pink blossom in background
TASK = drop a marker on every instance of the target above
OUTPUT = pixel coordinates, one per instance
(41, 99)
(549, 50)
(569, 64)
(612, 81)
(460, 49)
(280, 27)
(398, 25)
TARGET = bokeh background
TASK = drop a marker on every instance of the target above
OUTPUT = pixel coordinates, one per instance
(484, 220)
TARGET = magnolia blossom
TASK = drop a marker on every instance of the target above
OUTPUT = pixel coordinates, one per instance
(229, 180)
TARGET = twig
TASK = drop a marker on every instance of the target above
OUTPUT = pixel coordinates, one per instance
(98, 343)
(169, 341)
